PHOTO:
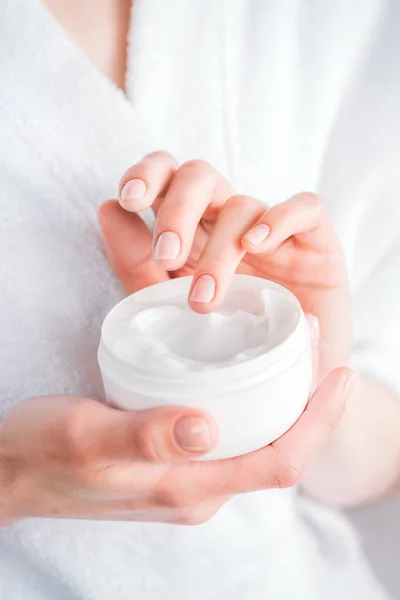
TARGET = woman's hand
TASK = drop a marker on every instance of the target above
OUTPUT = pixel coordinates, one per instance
(71, 457)
(66, 456)
(202, 228)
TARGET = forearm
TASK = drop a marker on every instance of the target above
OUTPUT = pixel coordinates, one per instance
(362, 460)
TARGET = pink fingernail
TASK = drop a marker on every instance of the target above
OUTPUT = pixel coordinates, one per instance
(168, 246)
(203, 290)
(135, 189)
(193, 434)
(258, 234)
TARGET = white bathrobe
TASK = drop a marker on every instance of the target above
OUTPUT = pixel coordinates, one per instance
(281, 96)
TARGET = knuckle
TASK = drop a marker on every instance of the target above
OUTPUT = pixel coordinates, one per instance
(288, 477)
(146, 443)
(279, 213)
(202, 512)
(177, 498)
(197, 168)
(287, 473)
(313, 200)
(77, 447)
(162, 155)
(239, 202)
(131, 269)
(144, 168)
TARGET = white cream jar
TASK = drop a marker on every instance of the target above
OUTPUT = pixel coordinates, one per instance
(247, 364)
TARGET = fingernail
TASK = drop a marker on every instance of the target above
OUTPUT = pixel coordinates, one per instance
(135, 189)
(258, 234)
(168, 246)
(348, 384)
(193, 434)
(203, 290)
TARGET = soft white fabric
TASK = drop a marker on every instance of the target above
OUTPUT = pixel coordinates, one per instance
(279, 95)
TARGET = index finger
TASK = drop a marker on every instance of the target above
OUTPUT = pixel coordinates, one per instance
(145, 181)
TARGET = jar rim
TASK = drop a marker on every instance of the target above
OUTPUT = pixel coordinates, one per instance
(292, 346)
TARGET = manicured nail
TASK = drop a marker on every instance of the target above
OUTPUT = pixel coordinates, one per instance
(258, 234)
(135, 189)
(203, 290)
(168, 246)
(348, 384)
(193, 434)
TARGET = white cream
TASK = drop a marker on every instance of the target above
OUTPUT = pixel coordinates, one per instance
(165, 337)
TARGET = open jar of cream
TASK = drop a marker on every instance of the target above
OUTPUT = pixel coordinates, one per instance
(248, 364)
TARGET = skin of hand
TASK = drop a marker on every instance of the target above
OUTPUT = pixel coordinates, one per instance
(203, 228)
(72, 457)
(65, 456)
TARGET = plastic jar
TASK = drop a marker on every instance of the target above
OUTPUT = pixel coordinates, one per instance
(253, 401)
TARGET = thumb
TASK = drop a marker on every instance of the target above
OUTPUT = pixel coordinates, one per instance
(129, 247)
(158, 435)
